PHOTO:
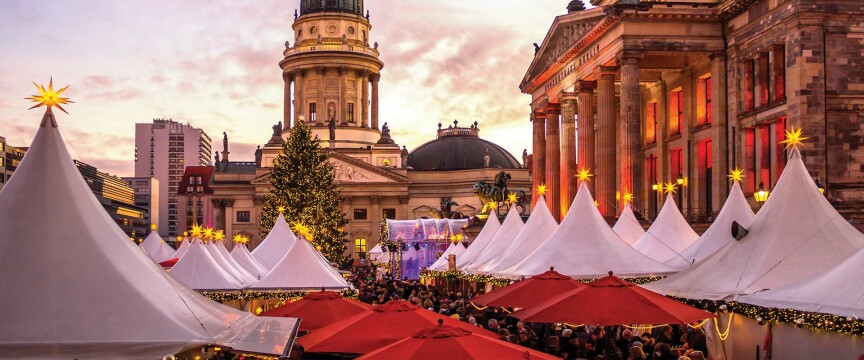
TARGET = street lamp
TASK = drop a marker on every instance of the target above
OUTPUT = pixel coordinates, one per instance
(761, 195)
(658, 187)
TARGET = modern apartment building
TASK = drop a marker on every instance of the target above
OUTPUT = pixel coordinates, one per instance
(118, 199)
(146, 196)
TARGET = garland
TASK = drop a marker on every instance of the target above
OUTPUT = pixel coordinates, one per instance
(484, 278)
(225, 296)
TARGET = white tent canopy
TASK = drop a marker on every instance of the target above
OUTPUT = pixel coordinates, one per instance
(158, 250)
(240, 253)
(585, 247)
(718, 235)
(628, 227)
(668, 236)
(540, 225)
(510, 228)
(302, 268)
(80, 289)
(442, 263)
(224, 259)
(480, 242)
(838, 291)
(796, 234)
(275, 245)
(200, 270)
(376, 254)
(182, 249)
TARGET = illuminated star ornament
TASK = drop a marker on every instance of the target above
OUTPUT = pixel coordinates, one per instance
(489, 206)
(153, 227)
(670, 188)
(794, 138)
(197, 231)
(303, 230)
(541, 189)
(208, 233)
(240, 239)
(736, 175)
(49, 97)
(512, 197)
(584, 174)
(628, 197)
(281, 209)
(218, 235)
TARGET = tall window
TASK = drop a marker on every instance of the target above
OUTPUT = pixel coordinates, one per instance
(243, 216)
(359, 248)
(750, 159)
(350, 112)
(676, 112)
(782, 154)
(360, 214)
(677, 163)
(313, 113)
(764, 79)
(765, 150)
(708, 100)
(651, 123)
(389, 214)
(748, 100)
(778, 66)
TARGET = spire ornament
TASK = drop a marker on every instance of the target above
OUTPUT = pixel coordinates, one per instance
(49, 98)
(736, 175)
(794, 139)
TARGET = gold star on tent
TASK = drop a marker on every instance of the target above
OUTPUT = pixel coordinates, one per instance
(456, 238)
(489, 206)
(218, 235)
(208, 233)
(281, 209)
(541, 189)
(303, 230)
(670, 188)
(628, 197)
(512, 198)
(584, 174)
(794, 138)
(240, 239)
(48, 97)
(736, 175)
(153, 227)
(196, 231)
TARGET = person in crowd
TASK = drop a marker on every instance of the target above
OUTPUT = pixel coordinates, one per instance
(636, 353)
(570, 346)
(666, 336)
(696, 355)
(625, 341)
(662, 351)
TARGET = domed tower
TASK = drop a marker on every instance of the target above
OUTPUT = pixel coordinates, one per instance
(335, 72)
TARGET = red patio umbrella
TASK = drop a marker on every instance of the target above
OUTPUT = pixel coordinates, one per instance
(452, 343)
(531, 291)
(318, 309)
(373, 329)
(612, 301)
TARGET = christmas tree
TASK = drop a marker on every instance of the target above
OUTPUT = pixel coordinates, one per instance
(302, 185)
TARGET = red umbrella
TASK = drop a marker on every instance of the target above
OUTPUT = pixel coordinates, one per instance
(612, 301)
(531, 291)
(373, 329)
(452, 343)
(319, 309)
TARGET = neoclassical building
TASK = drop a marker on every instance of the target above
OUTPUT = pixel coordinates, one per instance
(331, 81)
(684, 91)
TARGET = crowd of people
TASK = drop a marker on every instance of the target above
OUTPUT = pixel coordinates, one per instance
(665, 342)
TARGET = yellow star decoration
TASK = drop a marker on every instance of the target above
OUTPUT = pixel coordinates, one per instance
(736, 175)
(153, 227)
(512, 198)
(208, 233)
(596, 203)
(584, 174)
(541, 189)
(240, 239)
(49, 97)
(456, 238)
(303, 230)
(628, 197)
(794, 138)
(197, 230)
(180, 239)
(281, 209)
(489, 206)
(218, 235)
(670, 188)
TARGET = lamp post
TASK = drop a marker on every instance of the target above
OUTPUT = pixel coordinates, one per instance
(682, 182)
(657, 189)
(761, 195)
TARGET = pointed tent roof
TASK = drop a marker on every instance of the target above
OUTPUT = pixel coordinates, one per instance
(510, 228)
(86, 260)
(182, 249)
(275, 245)
(796, 234)
(830, 292)
(480, 242)
(244, 258)
(628, 227)
(585, 247)
(199, 270)
(718, 234)
(224, 259)
(157, 248)
(302, 268)
(668, 236)
(540, 225)
(442, 263)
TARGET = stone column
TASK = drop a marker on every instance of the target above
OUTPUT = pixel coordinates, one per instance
(631, 144)
(538, 158)
(343, 95)
(719, 136)
(375, 78)
(585, 128)
(286, 116)
(364, 99)
(568, 151)
(606, 147)
(321, 107)
(553, 160)
(299, 99)
(375, 216)
(229, 215)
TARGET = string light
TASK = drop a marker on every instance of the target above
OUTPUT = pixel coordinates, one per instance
(284, 296)
(725, 334)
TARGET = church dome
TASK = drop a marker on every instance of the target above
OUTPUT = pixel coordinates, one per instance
(460, 149)
(319, 6)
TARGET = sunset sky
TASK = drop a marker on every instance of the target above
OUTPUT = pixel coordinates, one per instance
(214, 64)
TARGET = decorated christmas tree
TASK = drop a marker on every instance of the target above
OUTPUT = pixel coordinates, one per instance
(302, 186)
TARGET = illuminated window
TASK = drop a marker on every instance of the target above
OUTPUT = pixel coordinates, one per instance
(778, 66)
(360, 214)
(676, 112)
(312, 112)
(651, 123)
(676, 157)
(350, 112)
(360, 248)
(707, 100)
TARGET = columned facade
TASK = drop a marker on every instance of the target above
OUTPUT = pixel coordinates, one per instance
(568, 163)
(538, 159)
(606, 149)
(630, 149)
(585, 128)
(553, 159)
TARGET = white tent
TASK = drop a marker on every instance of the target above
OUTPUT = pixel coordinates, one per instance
(668, 236)
(628, 227)
(480, 242)
(443, 264)
(302, 268)
(275, 245)
(182, 249)
(585, 247)
(158, 250)
(80, 289)
(719, 234)
(200, 270)
(539, 226)
(510, 228)
(224, 259)
(377, 255)
(796, 235)
(240, 253)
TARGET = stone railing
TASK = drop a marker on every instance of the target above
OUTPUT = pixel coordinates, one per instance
(331, 47)
(458, 132)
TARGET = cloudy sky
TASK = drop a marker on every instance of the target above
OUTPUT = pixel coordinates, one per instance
(214, 64)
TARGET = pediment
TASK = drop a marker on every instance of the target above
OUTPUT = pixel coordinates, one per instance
(351, 170)
(564, 33)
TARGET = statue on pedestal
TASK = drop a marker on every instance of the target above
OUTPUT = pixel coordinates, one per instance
(486, 158)
(332, 127)
(258, 156)
(404, 157)
(385, 135)
(525, 158)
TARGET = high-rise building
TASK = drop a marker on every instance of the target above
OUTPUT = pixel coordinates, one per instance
(163, 149)
(146, 196)
(118, 199)
(10, 157)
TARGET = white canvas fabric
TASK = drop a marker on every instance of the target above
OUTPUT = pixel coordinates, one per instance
(275, 245)
(302, 268)
(442, 263)
(510, 228)
(668, 236)
(628, 227)
(796, 234)
(480, 242)
(157, 248)
(539, 226)
(80, 289)
(182, 249)
(200, 270)
(838, 291)
(376, 254)
(585, 247)
(719, 233)
(240, 253)
(224, 259)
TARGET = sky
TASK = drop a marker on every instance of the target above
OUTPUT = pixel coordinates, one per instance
(214, 64)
